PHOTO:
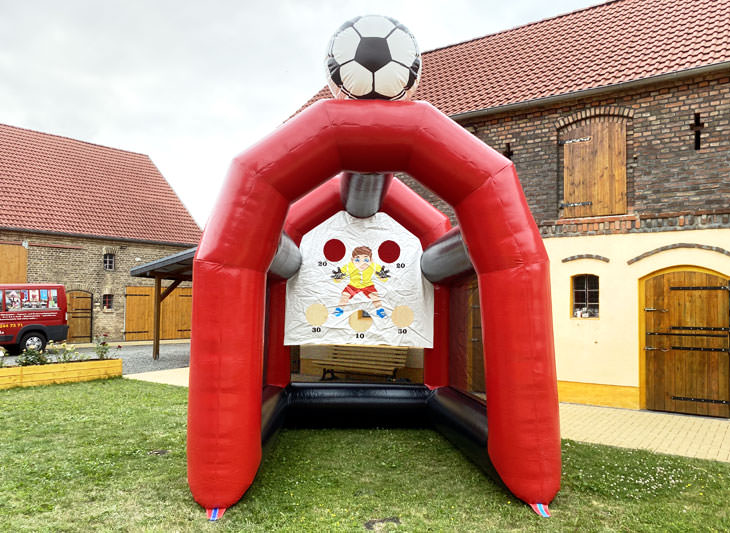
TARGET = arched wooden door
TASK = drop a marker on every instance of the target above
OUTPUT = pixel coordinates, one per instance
(80, 311)
(687, 326)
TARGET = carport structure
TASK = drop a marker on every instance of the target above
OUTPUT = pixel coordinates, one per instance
(176, 268)
(179, 267)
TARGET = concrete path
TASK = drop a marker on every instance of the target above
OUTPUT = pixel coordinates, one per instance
(690, 436)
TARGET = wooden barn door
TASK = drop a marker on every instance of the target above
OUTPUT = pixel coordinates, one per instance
(687, 321)
(475, 347)
(594, 168)
(176, 314)
(80, 309)
(466, 351)
(138, 313)
(13, 263)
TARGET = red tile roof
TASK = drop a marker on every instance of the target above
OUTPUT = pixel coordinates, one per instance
(61, 185)
(604, 45)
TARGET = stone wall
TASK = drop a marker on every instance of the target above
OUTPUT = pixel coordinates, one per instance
(670, 184)
(77, 262)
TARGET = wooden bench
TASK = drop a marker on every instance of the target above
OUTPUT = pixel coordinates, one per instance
(368, 360)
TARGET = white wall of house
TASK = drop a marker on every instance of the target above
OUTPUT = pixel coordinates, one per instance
(606, 350)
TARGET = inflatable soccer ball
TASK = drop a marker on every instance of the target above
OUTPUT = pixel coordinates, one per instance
(373, 57)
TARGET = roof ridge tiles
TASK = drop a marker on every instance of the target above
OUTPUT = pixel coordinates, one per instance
(64, 137)
(597, 46)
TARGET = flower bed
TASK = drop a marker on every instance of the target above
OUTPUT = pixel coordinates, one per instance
(31, 376)
(59, 364)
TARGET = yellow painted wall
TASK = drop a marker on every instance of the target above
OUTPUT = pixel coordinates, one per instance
(605, 350)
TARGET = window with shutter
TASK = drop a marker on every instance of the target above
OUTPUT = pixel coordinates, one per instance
(594, 168)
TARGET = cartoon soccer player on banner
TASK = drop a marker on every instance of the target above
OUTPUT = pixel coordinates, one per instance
(360, 272)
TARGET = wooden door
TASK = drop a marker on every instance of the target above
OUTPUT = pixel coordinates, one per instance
(594, 170)
(138, 313)
(13, 263)
(80, 309)
(175, 314)
(466, 351)
(475, 348)
(687, 320)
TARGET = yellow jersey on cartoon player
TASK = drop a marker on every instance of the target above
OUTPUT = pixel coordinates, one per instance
(361, 278)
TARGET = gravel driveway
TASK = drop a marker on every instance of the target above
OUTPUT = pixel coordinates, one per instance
(136, 359)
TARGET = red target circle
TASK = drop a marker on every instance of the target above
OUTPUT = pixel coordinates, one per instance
(389, 252)
(334, 250)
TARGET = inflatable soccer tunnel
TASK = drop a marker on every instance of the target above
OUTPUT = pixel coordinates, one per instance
(240, 390)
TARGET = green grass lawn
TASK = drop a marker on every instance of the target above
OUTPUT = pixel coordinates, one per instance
(87, 457)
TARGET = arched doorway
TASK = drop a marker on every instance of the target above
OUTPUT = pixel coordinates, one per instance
(80, 310)
(686, 333)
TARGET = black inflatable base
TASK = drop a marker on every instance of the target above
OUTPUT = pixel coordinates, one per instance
(459, 417)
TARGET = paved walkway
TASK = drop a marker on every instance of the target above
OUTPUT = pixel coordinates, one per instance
(173, 376)
(690, 436)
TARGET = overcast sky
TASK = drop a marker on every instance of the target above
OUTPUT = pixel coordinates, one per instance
(192, 84)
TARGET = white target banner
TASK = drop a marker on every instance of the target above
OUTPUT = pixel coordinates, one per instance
(360, 283)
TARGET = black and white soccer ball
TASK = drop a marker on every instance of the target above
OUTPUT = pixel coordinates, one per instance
(373, 57)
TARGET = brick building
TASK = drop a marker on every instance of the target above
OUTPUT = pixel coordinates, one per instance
(83, 215)
(617, 118)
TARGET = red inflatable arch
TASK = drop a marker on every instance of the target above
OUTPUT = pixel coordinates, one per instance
(228, 341)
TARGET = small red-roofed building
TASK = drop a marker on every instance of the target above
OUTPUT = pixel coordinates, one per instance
(617, 118)
(83, 215)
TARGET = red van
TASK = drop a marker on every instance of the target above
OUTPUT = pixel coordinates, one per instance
(31, 314)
